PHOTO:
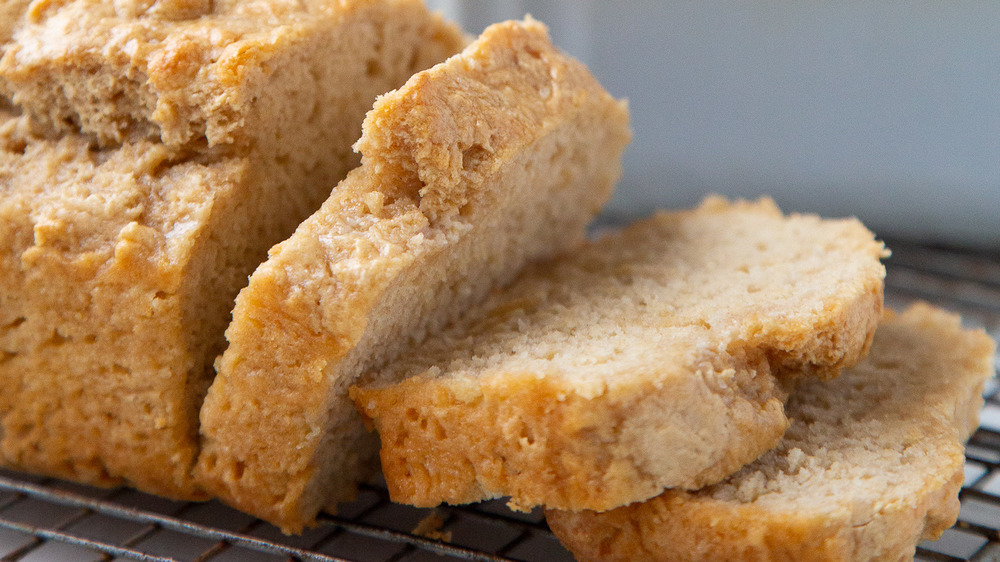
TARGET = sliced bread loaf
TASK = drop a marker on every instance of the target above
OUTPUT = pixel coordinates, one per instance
(120, 261)
(640, 362)
(871, 465)
(500, 155)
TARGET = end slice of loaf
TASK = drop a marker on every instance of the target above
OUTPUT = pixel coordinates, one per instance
(871, 465)
(500, 155)
(640, 362)
(119, 263)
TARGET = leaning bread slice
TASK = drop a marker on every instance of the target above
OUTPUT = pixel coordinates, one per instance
(499, 155)
(640, 362)
(871, 465)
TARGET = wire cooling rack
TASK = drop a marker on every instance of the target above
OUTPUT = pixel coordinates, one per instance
(44, 519)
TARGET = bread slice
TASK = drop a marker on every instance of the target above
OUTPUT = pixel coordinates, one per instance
(500, 155)
(641, 362)
(119, 263)
(871, 465)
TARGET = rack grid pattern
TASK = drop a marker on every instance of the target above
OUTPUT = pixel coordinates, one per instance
(45, 519)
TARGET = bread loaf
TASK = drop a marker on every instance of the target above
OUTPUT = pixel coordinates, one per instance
(150, 153)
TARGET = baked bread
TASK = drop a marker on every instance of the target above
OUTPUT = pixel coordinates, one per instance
(10, 13)
(641, 362)
(124, 236)
(870, 466)
(289, 80)
(500, 155)
(218, 72)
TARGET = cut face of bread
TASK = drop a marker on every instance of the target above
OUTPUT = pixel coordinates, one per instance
(639, 362)
(119, 263)
(500, 155)
(110, 268)
(222, 72)
(870, 466)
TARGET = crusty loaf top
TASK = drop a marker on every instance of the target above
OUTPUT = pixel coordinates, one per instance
(186, 71)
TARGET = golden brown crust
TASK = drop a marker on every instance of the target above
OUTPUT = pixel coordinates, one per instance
(421, 231)
(841, 340)
(871, 465)
(635, 364)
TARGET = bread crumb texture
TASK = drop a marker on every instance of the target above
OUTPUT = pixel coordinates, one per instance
(215, 72)
(500, 155)
(641, 361)
(870, 466)
(150, 154)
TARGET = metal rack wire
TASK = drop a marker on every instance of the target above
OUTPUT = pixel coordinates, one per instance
(45, 519)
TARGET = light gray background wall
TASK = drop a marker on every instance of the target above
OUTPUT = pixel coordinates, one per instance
(886, 110)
